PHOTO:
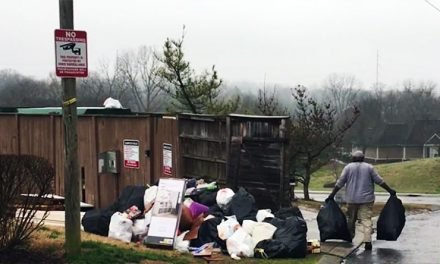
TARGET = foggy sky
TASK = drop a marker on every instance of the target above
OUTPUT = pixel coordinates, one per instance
(288, 41)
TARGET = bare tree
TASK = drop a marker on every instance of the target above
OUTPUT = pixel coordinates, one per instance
(107, 82)
(18, 90)
(341, 91)
(268, 103)
(140, 74)
(314, 131)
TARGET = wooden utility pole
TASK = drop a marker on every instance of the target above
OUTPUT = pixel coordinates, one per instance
(71, 172)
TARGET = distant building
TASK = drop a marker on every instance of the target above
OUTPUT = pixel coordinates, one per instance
(399, 141)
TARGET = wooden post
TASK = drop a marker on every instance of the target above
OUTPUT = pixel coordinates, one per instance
(71, 173)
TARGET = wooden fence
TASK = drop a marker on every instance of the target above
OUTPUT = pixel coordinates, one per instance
(233, 150)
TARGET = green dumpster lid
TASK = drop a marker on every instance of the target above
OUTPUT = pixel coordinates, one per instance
(79, 111)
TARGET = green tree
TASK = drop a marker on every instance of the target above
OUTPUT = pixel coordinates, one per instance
(189, 91)
(314, 133)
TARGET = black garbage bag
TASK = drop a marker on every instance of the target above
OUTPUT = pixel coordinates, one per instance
(284, 213)
(289, 240)
(293, 233)
(97, 221)
(208, 233)
(216, 211)
(131, 195)
(332, 223)
(391, 220)
(204, 196)
(242, 205)
(271, 248)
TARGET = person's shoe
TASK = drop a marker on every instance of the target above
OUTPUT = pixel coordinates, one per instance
(368, 246)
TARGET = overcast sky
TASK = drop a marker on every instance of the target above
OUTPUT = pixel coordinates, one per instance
(288, 41)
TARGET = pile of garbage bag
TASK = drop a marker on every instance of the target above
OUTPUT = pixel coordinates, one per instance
(211, 219)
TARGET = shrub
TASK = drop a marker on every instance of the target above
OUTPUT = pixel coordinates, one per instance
(25, 181)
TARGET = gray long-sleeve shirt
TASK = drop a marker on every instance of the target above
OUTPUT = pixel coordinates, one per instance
(359, 179)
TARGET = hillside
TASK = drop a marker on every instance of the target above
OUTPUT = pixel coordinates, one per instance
(418, 176)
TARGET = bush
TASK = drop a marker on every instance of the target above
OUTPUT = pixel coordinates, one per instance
(24, 174)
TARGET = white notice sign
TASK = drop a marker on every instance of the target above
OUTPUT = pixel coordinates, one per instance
(131, 154)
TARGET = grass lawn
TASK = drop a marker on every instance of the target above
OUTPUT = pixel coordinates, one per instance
(418, 176)
(46, 246)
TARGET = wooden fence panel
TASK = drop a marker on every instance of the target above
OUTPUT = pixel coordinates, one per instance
(163, 131)
(9, 139)
(203, 147)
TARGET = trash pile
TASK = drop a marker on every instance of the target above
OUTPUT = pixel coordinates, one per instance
(212, 222)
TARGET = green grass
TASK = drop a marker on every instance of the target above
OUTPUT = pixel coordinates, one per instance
(418, 176)
(96, 252)
(47, 246)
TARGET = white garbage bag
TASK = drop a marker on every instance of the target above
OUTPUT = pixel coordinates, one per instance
(112, 103)
(150, 197)
(140, 227)
(261, 232)
(120, 228)
(148, 218)
(226, 228)
(263, 213)
(224, 196)
(240, 245)
(248, 226)
(180, 244)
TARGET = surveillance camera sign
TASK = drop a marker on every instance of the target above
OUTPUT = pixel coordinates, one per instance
(71, 53)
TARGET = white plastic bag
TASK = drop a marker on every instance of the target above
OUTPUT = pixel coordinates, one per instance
(248, 226)
(150, 197)
(226, 228)
(120, 227)
(139, 227)
(263, 213)
(240, 245)
(261, 232)
(148, 218)
(112, 103)
(180, 244)
(224, 196)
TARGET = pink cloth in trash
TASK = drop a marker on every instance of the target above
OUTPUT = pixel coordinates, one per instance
(197, 209)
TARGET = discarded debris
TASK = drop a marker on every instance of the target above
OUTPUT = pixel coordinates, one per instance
(212, 222)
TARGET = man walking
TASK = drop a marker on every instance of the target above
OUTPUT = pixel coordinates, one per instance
(359, 178)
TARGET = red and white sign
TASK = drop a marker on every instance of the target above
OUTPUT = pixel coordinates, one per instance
(167, 159)
(131, 154)
(71, 53)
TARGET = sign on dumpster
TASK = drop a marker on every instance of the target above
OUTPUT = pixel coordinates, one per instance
(167, 210)
(167, 159)
(71, 53)
(131, 154)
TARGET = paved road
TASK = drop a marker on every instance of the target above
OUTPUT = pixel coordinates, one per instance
(418, 242)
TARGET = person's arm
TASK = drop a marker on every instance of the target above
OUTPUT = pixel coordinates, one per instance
(339, 183)
(333, 193)
(380, 181)
(388, 188)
